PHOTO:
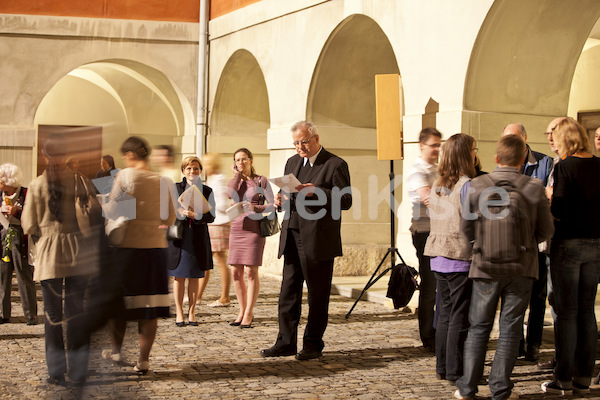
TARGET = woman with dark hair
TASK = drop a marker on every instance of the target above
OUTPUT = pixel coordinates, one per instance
(142, 253)
(65, 260)
(246, 245)
(451, 253)
(574, 259)
(191, 256)
(107, 166)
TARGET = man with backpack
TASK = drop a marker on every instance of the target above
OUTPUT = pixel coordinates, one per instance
(537, 165)
(506, 217)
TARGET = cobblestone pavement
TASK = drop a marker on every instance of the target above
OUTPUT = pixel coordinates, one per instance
(375, 354)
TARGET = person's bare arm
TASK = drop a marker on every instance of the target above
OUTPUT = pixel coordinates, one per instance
(423, 193)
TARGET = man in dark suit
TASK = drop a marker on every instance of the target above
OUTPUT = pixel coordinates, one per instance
(310, 240)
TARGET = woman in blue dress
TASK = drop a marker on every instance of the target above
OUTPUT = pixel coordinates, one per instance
(191, 255)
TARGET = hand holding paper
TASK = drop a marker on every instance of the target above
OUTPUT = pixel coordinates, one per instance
(286, 183)
(193, 199)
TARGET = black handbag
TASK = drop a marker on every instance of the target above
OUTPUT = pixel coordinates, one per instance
(269, 224)
(175, 231)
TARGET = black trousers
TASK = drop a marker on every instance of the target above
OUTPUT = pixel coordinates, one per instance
(18, 263)
(317, 274)
(75, 361)
(427, 291)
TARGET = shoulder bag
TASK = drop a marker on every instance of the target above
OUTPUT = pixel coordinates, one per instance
(269, 223)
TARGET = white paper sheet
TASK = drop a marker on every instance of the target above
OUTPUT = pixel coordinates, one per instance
(235, 211)
(193, 197)
(287, 183)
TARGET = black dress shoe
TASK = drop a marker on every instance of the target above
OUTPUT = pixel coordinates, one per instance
(234, 323)
(308, 355)
(180, 324)
(244, 326)
(32, 321)
(277, 352)
(193, 323)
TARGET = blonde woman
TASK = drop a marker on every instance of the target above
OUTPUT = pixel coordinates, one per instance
(574, 259)
(220, 227)
(191, 257)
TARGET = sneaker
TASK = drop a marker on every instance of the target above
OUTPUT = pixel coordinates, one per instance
(457, 395)
(580, 389)
(107, 354)
(553, 388)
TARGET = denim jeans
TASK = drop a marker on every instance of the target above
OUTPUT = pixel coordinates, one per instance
(78, 338)
(454, 291)
(427, 291)
(575, 269)
(514, 296)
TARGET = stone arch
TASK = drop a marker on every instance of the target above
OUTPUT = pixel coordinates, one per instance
(241, 105)
(525, 56)
(124, 98)
(342, 91)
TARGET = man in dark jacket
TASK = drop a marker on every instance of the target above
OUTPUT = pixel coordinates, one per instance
(310, 240)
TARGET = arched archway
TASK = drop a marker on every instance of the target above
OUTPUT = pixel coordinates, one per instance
(525, 55)
(240, 116)
(342, 91)
(122, 98)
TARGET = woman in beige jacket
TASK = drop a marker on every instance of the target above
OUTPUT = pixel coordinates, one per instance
(142, 256)
(65, 260)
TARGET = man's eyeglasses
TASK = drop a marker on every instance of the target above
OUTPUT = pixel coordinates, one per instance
(434, 146)
(302, 142)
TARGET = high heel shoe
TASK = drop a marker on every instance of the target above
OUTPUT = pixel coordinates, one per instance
(142, 367)
(180, 324)
(235, 323)
(243, 326)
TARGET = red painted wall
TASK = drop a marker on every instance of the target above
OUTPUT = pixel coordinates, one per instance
(154, 10)
(222, 7)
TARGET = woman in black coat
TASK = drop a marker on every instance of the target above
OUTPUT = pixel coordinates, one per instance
(191, 255)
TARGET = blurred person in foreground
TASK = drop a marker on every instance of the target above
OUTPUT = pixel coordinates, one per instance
(142, 254)
(65, 260)
(219, 228)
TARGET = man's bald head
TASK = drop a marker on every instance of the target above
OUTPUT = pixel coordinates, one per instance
(515, 129)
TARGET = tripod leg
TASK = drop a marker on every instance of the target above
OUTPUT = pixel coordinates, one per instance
(370, 283)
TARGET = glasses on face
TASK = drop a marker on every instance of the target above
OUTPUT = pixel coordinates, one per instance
(302, 142)
(433, 146)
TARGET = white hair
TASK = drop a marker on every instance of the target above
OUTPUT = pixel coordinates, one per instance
(10, 175)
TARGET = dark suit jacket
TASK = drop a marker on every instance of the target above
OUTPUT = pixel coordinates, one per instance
(197, 228)
(321, 238)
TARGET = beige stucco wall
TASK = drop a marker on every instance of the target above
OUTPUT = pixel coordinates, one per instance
(432, 59)
(42, 50)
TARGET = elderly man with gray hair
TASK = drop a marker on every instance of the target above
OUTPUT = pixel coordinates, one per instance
(14, 246)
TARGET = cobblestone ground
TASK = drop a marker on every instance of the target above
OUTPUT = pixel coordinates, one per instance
(375, 354)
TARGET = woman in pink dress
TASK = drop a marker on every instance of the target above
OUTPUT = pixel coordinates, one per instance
(246, 245)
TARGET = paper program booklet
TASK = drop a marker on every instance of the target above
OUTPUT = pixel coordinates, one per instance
(286, 183)
(192, 197)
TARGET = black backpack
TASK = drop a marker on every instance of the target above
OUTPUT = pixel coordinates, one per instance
(402, 285)
(504, 231)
